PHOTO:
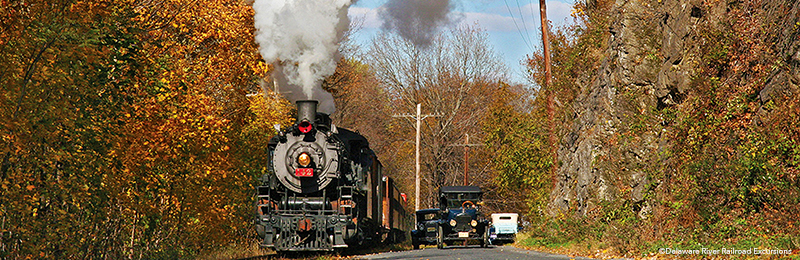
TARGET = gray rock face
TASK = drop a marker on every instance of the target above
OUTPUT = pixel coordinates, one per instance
(612, 140)
(617, 135)
(784, 83)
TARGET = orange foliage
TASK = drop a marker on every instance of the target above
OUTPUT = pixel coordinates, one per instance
(121, 126)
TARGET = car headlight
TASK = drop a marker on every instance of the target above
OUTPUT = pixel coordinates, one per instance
(453, 222)
(474, 223)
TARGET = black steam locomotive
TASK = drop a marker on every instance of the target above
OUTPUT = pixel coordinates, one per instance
(326, 190)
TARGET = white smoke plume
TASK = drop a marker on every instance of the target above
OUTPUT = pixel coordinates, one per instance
(416, 20)
(301, 38)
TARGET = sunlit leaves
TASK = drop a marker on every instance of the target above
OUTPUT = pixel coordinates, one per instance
(120, 121)
(521, 161)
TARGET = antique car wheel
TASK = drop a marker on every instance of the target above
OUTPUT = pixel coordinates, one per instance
(440, 241)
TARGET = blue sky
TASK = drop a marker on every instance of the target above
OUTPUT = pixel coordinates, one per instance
(513, 25)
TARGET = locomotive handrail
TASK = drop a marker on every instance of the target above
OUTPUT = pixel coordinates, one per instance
(294, 212)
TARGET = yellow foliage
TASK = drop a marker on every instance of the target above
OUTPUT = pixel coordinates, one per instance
(127, 120)
(270, 110)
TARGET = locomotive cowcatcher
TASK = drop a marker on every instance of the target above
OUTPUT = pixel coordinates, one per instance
(325, 189)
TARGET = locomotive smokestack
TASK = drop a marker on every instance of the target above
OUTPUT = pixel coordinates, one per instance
(306, 110)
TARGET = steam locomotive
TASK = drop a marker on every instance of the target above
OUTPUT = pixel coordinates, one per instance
(326, 190)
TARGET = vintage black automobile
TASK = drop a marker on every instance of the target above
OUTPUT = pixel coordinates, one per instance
(461, 217)
(427, 225)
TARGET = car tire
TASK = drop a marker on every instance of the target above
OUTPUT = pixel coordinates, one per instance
(440, 240)
(415, 245)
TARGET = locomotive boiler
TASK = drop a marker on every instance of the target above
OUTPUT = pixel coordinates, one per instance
(325, 189)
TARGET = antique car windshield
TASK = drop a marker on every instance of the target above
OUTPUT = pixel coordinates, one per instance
(427, 216)
(455, 200)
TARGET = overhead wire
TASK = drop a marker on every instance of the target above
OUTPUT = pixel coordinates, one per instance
(524, 40)
(524, 25)
(533, 12)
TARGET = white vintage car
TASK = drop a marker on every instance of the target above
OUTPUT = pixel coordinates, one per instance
(504, 228)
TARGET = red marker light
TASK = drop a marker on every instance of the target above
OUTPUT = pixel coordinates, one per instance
(305, 127)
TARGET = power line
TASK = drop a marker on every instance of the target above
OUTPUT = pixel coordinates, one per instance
(530, 3)
(524, 25)
(528, 44)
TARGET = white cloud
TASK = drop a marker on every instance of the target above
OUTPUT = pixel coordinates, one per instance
(558, 12)
(367, 16)
(499, 19)
(489, 22)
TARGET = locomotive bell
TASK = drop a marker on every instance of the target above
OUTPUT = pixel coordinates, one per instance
(306, 111)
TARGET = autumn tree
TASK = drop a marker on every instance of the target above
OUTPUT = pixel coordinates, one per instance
(515, 135)
(126, 129)
(454, 77)
(67, 69)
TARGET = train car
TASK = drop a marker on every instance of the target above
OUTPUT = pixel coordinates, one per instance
(395, 218)
(325, 189)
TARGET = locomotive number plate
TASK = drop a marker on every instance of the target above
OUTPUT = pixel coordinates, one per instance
(463, 234)
(304, 172)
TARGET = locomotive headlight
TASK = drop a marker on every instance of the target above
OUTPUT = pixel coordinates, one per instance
(304, 160)
(474, 223)
(453, 222)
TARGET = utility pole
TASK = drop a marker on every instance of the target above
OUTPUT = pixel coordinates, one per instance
(466, 146)
(466, 160)
(548, 86)
(419, 117)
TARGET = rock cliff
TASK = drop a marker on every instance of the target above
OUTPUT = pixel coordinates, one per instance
(619, 130)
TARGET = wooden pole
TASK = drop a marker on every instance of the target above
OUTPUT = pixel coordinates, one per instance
(416, 156)
(548, 86)
(419, 117)
(466, 157)
(466, 160)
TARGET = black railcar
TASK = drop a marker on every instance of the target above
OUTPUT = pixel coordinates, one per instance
(325, 190)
